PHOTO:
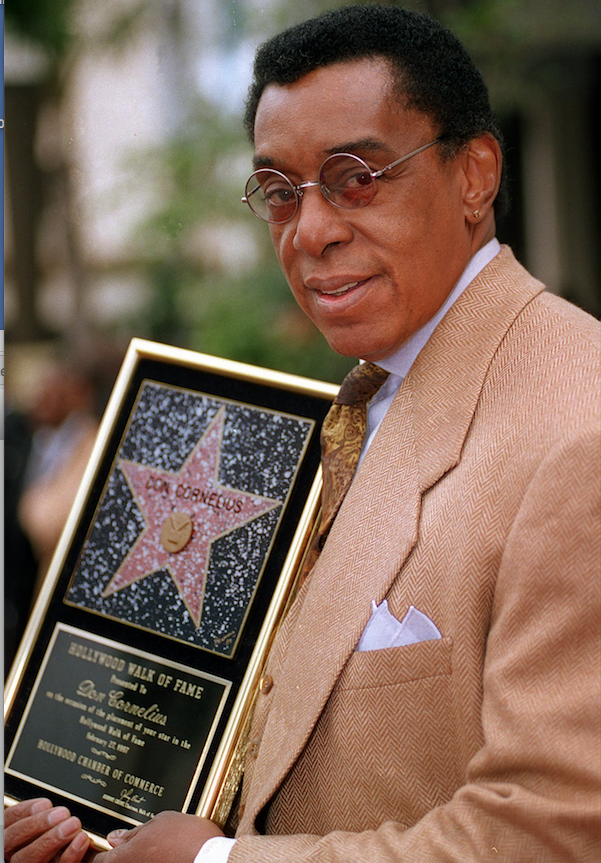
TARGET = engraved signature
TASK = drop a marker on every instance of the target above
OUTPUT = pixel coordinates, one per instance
(127, 795)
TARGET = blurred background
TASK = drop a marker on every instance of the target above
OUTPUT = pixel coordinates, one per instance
(125, 161)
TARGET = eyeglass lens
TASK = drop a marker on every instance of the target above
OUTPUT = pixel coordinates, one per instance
(271, 196)
(345, 180)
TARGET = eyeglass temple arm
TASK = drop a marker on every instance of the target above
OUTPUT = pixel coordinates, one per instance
(376, 174)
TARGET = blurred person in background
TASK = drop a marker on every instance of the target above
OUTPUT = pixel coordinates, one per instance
(47, 449)
(64, 423)
(20, 565)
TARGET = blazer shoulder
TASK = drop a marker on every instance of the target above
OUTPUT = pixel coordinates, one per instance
(570, 320)
(546, 371)
(556, 338)
(522, 288)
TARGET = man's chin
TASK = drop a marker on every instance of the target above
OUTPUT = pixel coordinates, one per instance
(361, 348)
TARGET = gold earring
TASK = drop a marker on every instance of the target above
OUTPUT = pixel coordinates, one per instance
(476, 214)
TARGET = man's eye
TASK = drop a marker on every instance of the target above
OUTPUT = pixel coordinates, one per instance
(357, 180)
(278, 195)
(348, 178)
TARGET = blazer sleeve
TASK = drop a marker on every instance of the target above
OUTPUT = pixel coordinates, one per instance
(532, 792)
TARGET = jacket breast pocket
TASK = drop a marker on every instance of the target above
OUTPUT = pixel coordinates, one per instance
(392, 709)
(375, 669)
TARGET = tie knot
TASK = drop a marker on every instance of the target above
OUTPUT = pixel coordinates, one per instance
(361, 384)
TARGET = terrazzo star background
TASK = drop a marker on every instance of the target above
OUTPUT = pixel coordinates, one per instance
(259, 455)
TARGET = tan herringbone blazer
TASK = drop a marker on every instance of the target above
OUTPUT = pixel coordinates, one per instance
(478, 504)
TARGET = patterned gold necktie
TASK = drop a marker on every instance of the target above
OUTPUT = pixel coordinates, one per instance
(342, 436)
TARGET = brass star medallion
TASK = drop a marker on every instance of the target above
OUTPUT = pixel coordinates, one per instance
(176, 532)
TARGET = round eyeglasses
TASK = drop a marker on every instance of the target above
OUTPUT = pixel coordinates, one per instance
(345, 180)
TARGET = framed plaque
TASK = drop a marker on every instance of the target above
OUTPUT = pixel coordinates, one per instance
(133, 687)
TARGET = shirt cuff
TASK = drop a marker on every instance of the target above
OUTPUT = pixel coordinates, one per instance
(215, 850)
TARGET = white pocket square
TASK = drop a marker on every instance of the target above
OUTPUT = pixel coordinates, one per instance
(384, 630)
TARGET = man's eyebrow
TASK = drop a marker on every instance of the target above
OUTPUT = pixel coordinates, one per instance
(262, 162)
(362, 145)
(370, 145)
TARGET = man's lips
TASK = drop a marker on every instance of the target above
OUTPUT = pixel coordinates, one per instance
(337, 287)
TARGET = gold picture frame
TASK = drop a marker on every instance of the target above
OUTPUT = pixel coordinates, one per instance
(134, 684)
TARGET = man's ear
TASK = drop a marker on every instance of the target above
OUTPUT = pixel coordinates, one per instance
(483, 164)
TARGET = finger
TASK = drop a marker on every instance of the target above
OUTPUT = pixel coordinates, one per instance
(104, 857)
(77, 849)
(25, 808)
(29, 827)
(51, 844)
(117, 837)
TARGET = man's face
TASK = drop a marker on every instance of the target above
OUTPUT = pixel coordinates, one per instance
(370, 277)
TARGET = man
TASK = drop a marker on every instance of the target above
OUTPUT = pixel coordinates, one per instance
(473, 512)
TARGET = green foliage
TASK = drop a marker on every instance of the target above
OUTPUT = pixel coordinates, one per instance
(191, 177)
(44, 21)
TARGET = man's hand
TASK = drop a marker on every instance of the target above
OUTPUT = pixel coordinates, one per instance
(35, 831)
(170, 837)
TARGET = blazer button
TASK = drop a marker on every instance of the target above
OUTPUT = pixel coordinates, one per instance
(266, 684)
(253, 749)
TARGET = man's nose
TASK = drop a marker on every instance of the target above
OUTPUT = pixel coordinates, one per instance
(319, 224)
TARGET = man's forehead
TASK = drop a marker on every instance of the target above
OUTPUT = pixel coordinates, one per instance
(340, 107)
(332, 80)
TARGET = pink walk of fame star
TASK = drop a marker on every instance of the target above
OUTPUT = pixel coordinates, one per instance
(184, 513)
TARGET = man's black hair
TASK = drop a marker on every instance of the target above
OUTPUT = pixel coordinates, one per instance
(432, 71)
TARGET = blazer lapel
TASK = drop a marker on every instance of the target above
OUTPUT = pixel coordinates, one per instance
(376, 528)
(447, 377)
(353, 569)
